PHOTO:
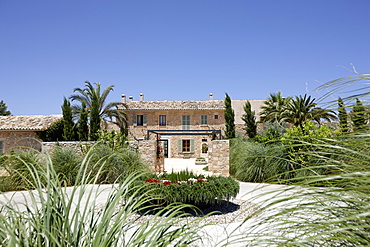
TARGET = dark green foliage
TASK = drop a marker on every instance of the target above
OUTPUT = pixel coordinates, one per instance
(94, 119)
(98, 109)
(342, 114)
(200, 194)
(66, 162)
(229, 118)
(116, 141)
(303, 109)
(68, 130)
(82, 125)
(272, 133)
(4, 109)
(249, 120)
(53, 132)
(358, 116)
(274, 107)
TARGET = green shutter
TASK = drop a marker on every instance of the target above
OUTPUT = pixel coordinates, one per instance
(134, 119)
(191, 145)
(179, 145)
(144, 120)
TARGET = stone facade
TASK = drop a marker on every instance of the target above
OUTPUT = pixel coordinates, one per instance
(168, 115)
(12, 140)
(218, 160)
(19, 132)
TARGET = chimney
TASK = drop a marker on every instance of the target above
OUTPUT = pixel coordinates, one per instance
(123, 98)
(141, 97)
(211, 96)
(131, 98)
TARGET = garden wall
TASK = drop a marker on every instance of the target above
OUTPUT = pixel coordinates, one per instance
(218, 158)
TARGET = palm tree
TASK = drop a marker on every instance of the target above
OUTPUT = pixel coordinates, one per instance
(303, 109)
(98, 110)
(273, 108)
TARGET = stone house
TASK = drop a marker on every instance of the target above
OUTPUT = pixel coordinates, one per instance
(184, 129)
(19, 132)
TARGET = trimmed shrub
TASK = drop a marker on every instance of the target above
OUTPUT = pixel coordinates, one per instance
(186, 188)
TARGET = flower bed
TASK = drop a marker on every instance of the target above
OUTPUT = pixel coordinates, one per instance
(194, 190)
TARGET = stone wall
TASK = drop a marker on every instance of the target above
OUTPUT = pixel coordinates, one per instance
(23, 140)
(148, 152)
(78, 146)
(218, 158)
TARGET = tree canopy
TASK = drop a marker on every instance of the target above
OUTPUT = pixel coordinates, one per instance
(4, 109)
(98, 109)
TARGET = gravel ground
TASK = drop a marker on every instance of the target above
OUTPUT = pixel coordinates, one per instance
(227, 212)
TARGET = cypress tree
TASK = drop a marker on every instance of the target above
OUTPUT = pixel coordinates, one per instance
(342, 114)
(358, 116)
(249, 120)
(4, 109)
(83, 129)
(68, 131)
(229, 118)
(94, 119)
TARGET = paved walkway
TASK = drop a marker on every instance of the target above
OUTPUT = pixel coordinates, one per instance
(179, 164)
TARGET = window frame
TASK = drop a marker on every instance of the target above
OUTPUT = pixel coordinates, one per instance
(137, 122)
(204, 120)
(162, 120)
(185, 122)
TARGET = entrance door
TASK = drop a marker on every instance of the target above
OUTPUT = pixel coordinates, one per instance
(165, 148)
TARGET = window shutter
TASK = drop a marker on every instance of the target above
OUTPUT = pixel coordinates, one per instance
(134, 120)
(144, 120)
(191, 145)
(179, 145)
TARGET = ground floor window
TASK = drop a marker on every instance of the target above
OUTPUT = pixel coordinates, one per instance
(204, 148)
(186, 145)
(1, 146)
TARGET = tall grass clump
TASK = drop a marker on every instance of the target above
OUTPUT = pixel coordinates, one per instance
(118, 163)
(258, 162)
(17, 166)
(66, 162)
(87, 214)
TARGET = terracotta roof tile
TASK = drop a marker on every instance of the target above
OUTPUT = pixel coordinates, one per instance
(28, 123)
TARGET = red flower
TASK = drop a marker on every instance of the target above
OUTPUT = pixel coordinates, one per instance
(152, 180)
(167, 182)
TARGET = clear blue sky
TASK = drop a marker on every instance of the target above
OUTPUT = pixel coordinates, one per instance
(176, 50)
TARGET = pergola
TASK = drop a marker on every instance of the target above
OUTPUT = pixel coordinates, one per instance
(185, 132)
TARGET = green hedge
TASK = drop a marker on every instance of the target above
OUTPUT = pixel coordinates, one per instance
(195, 190)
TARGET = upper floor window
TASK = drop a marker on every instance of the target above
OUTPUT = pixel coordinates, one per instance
(139, 120)
(162, 120)
(204, 120)
(216, 116)
(186, 122)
